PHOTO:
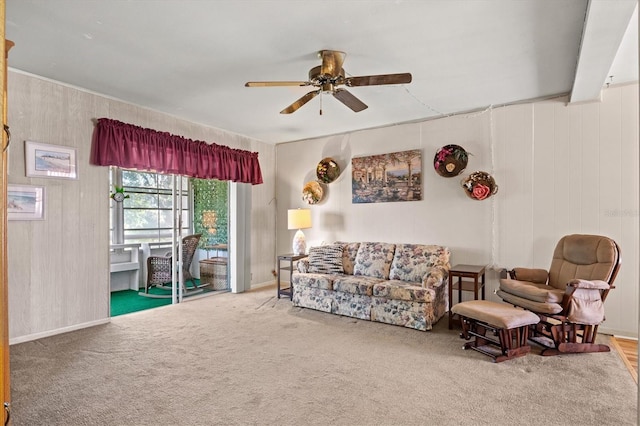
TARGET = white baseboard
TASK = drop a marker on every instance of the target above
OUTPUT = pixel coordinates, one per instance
(263, 284)
(36, 336)
(618, 333)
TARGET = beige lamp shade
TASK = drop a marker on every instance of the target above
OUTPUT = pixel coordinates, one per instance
(299, 219)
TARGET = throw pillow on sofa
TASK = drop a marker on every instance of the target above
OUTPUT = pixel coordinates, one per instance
(412, 262)
(374, 260)
(326, 259)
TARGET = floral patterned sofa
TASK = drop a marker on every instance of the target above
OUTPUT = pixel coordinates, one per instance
(399, 284)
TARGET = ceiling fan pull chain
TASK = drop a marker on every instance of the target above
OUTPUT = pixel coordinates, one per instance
(320, 103)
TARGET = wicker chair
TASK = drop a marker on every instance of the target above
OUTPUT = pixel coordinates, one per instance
(159, 267)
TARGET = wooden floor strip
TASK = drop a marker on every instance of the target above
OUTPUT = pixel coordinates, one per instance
(628, 350)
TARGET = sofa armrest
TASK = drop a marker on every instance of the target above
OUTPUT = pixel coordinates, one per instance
(435, 277)
(303, 265)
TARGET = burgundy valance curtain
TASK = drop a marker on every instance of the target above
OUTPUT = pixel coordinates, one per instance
(132, 147)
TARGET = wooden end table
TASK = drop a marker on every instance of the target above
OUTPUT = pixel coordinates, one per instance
(476, 273)
(290, 258)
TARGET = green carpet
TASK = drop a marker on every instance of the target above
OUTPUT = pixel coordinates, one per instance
(128, 301)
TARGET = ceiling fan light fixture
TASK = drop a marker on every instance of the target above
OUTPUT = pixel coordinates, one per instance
(328, 76)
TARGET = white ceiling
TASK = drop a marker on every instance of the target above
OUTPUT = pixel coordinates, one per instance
(191, 58)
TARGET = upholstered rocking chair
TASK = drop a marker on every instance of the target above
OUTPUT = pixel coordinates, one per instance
(569, 298)
(159, 267)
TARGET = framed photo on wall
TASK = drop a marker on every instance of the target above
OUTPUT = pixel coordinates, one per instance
(25, 202)
(50, 161)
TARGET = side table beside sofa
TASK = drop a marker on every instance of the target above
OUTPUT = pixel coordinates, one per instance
(289, 259)
(474, 282)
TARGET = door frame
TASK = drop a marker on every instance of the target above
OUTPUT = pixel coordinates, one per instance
(5, 374)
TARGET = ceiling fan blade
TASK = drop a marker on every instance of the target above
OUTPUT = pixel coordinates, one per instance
(297, 104)
(349, 100)
(275, 83)
(332, 61)
(376, 80)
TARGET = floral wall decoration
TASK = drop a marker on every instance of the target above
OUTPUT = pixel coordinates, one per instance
(396, 176)
(312, 192)
(450, 160)
(479, 185)
(327, 170)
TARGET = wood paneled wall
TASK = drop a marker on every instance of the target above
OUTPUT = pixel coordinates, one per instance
(59, 267)
(560, 169)
(572, 169)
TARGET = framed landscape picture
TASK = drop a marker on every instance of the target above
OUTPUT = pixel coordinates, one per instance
(51, 161)
(396, 176)
(25, 202)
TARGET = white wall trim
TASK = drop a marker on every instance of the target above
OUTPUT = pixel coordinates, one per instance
(262, 284)
(625, 334)
(49, 333)
(239, 237)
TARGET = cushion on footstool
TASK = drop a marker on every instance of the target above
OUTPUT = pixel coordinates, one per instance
(499, 315)
(509, 323)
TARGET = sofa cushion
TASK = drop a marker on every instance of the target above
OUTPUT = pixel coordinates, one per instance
(322, 281)
(374, 260)
(302, 265)
(349, 252)
(313, 298)
(326, 259)
(355, 285)
(411, 262)
(416, 315)
(403, 290)
(351, 305)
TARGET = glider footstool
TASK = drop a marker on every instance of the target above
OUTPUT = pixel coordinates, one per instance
(509, 323)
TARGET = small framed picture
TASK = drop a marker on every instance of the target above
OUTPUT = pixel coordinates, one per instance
(25, 202)
(51, 161)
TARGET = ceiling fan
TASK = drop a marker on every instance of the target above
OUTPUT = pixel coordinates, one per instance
(328, 76)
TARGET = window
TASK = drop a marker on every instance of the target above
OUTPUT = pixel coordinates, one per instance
(145, 215)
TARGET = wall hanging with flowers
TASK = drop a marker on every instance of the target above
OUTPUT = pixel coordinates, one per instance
(479, 185)
(312, 192)
(450, 160)
(327, 170)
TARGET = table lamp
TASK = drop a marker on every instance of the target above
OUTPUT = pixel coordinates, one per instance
(299, 219)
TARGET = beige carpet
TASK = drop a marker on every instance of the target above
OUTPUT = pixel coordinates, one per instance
(236, 359)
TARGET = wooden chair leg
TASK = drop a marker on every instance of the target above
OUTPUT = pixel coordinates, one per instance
(512, 343)
(567, 339)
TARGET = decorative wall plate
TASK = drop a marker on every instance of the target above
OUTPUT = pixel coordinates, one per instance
(327, 170)
(479, 186)
(312, 192)
(450, 160)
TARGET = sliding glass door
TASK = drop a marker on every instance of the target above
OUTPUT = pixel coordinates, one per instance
(151, 214)
(211, 220)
